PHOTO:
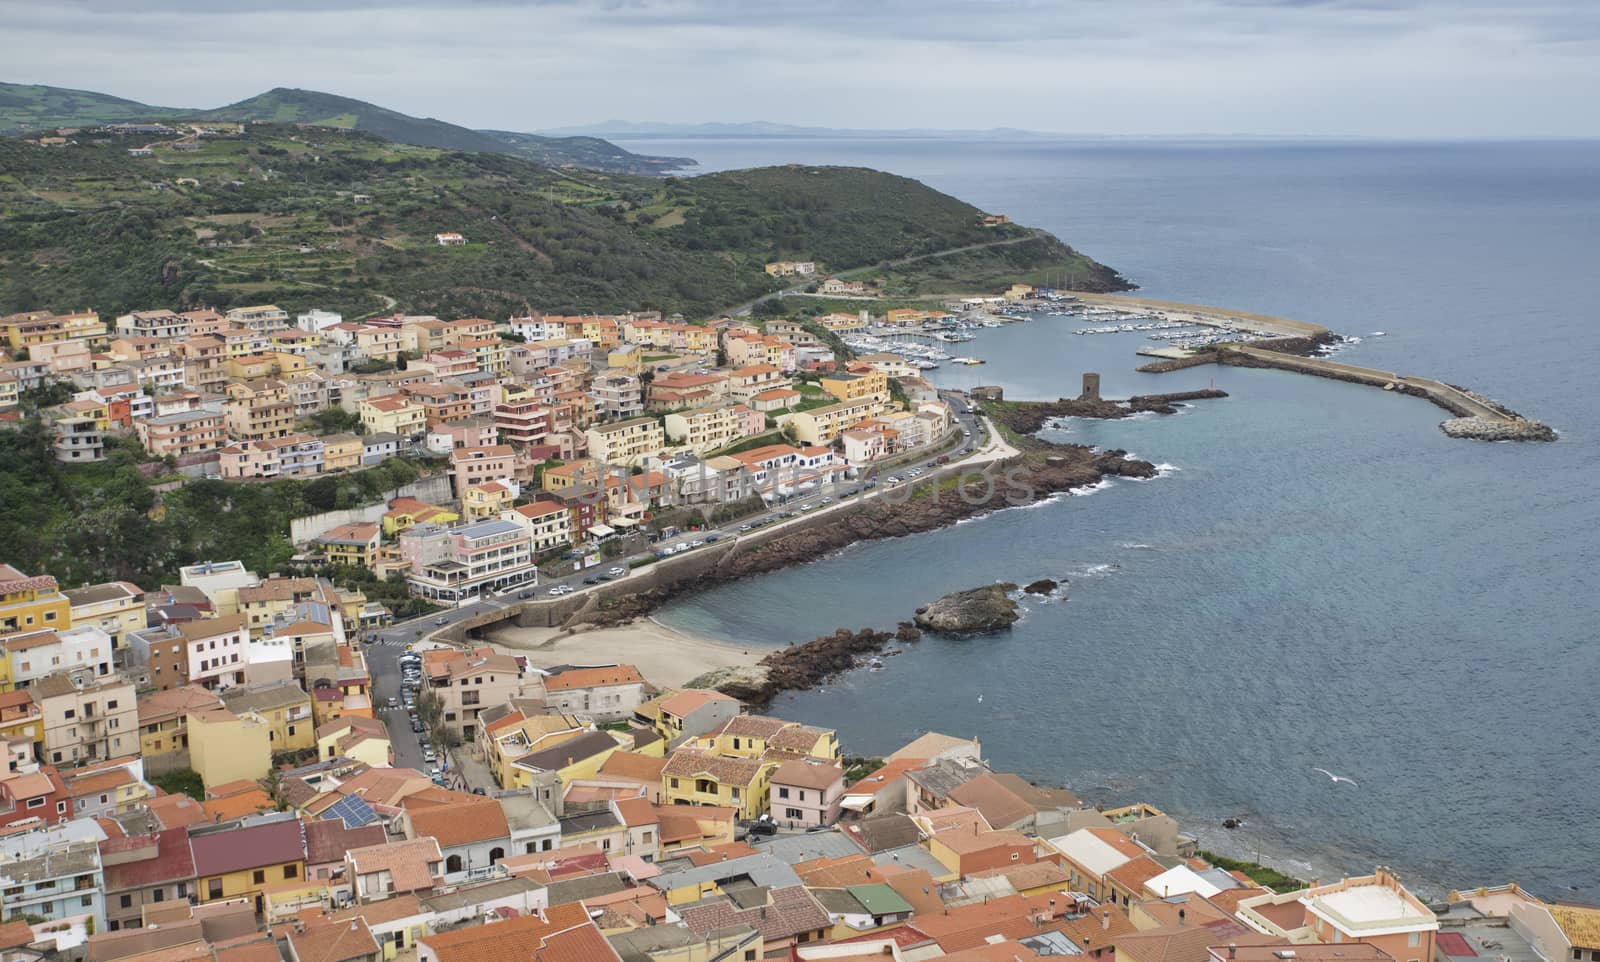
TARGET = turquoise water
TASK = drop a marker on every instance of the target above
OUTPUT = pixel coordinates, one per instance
(1321, 578)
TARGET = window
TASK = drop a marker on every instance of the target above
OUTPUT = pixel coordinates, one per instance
(1414, 939)
(36, 802)
(792, 813)
(214, 888)
(259, 876)
(127, 901)
(70, 713)
(802, 794)
(61, 807)
(159, 895)
(674, 781)
(86, 901)
(291, 871)
(111, 705)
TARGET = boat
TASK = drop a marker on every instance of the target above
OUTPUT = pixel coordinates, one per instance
(1378, 333)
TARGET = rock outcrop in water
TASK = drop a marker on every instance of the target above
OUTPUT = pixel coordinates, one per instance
(975, 610)
(798, 667)
(1027, 417)
(1043, 586)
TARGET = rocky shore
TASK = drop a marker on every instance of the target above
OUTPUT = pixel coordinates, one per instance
(976, 610)
(1027, 417)
(803, 666)
(1044, 469)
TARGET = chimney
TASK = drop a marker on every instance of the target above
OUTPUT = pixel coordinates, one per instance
(1233, 949)
(1105, 920)
(1180, 916)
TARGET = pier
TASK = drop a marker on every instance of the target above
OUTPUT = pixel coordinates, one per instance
(1475, 417)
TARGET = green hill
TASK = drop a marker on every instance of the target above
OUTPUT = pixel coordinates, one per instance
(341, 219)
(25, 108)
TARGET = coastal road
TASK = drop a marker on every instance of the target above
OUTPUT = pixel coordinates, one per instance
(748, 306)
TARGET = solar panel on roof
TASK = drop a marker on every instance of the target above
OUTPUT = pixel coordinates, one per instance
(353, 811)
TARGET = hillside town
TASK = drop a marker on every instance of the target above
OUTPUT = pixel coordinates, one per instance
(578, 813)
(541, 435)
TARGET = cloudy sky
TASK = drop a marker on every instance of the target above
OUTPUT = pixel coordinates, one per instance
(1394, 68)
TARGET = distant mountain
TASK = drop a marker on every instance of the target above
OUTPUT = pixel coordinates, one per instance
(624, 129)
(25, 107)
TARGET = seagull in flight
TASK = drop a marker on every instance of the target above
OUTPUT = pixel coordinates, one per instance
(1337, 778)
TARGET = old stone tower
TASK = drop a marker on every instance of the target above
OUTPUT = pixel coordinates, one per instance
(1091, 388)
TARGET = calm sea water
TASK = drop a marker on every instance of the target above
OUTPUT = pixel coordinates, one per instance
(1321, 578)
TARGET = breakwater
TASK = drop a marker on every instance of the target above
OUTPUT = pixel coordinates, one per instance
(1475, 417)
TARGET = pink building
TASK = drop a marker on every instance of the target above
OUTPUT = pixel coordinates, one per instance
(482, 464)
(806, 792)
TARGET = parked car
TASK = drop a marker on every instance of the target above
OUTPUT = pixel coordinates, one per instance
(441, 621)
(617, 572)
(394, 702)
(893, 479)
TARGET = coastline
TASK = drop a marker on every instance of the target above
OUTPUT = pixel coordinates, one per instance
(665, 656)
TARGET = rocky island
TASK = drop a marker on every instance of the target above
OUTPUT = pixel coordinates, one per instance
(973, 611)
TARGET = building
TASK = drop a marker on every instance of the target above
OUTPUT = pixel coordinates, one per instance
(472, 834)
(181, 434)
(604, 695)
(474, 466)
(244, 857)
(352, 736)
(54, 874)
(116, 608)
(547, 524)
(706, 429)
(163, 724)
(617, 395)
(29, 602)
(33, 655)
(1376, 909)
(355, 544)
(283, 705)
(450, 239)
(467, 682)
(145, 870)
(694, 777)
(688, 714)
(625, 442)
(394, 414)
(225, 747)
(450, 564)
(87, 716)
(869, 385)
(218, 650)
(805, 793)
(822, 425)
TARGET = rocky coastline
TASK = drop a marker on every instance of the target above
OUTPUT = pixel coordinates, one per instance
(803, 666)
(1027, 417)
(1042, 470)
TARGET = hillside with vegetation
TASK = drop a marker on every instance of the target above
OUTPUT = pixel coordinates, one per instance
(32, 107)
(27, 107)
(345, 220)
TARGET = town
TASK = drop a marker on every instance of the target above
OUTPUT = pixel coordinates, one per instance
(204, 771)
(272, 766)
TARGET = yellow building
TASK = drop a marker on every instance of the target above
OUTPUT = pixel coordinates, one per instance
(822, 425)
(517, 735)
(705, 429)
(700, 778)
(10, 391)
(224, 747)
(30, 603)
(486, 500)
(408, 512)
(758, 736)
(868, 385)
(355, 544)
(163, 723)
(21, 718)
(116, 608)
(341, 452)
(394, 414)
(284, 706)
(352, 736)
(625, 442)
(244, 861)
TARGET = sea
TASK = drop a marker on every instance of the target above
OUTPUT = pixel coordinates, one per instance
(1319, 578)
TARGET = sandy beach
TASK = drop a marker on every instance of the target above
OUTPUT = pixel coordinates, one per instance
(666, 658)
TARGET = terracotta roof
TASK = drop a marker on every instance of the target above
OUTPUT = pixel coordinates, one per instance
(407, 862)
(328, 839)
(474, 819)
(1579, 923)
(1133, 873)
(792, 910)
(1100, 928)
(632, 765)
(158, 706)
(1024, 877)
(237, 804)
(637, 811)
(808, 773)
(972, 925)
(593, 677)
(175, 811)
(514, 939)
(685, 702)
(828, 873)
(798, 739)
(14, 935)
(688, 763)
(332, 942)
(1185, 943)
(170, 862)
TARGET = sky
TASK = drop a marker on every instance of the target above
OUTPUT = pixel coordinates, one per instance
(1377, 68)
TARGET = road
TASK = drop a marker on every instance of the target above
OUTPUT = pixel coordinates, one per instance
(748, 306)
(385, 646)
